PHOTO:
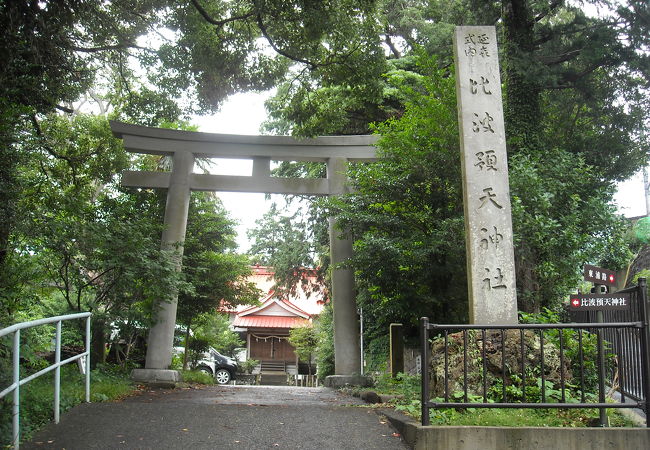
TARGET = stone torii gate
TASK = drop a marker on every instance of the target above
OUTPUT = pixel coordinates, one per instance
(184, 147)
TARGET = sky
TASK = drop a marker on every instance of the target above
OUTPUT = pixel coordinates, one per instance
(244, 113)
(240, 114)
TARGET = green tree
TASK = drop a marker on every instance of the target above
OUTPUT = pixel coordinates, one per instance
(325, 349)
(215, 328)
(575, 104)
(406, 216)
(194, 51)
(289, 245)
(78, 231)
(304, 340)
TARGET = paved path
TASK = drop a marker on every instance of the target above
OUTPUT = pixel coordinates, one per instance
(223, 417)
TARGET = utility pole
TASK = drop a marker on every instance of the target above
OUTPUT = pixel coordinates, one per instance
(646, 189)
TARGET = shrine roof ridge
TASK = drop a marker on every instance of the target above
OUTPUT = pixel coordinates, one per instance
(142, 139)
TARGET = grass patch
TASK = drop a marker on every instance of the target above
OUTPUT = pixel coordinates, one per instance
(488, 417)
(196, 377)
(407, 391)
(37, 397)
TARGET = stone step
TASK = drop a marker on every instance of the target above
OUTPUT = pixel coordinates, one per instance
(273, 366)
(273, 379)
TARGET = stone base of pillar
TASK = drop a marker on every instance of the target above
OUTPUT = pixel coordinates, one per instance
(339, 381)
(157, 377)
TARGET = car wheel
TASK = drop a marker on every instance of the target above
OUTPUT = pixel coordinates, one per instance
(222, 376)
(205, 370)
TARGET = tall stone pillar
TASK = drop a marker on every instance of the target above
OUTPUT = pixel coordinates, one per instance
(486, 189)
(161, 335)
(346, 327)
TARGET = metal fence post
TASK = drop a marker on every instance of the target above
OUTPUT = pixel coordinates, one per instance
(87, 349)
(601, 370)
(424, 359)
(645, 344)
(57, 373)
(16, 405)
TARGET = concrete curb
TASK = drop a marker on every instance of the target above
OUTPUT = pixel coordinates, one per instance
(158, 378)
(420, 437)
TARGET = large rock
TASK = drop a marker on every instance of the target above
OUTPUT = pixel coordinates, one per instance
(496, 371)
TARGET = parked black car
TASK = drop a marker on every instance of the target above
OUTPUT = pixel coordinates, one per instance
(223, 369)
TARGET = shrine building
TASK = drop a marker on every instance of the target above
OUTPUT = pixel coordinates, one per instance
(265, 328)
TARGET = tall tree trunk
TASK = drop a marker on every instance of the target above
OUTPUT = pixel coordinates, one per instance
(97, 343)
(522, 108)
(522, 111)
(8, 186)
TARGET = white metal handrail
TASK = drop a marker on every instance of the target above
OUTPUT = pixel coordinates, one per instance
(17, 382)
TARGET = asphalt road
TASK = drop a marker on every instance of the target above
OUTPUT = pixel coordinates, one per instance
(223, 417)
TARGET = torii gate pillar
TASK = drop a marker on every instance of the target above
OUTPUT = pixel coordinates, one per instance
(346, 328)
(161, 335)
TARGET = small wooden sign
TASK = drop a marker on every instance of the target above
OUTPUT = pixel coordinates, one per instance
(599, 302)
(598, 275)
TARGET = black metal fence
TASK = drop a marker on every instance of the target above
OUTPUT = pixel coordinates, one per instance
(624, 344)
(502, 360)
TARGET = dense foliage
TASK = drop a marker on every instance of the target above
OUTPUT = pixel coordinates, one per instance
(325, 348)
(575, 93)
(576, 107)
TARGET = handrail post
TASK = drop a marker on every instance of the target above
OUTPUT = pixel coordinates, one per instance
(602, 418)
(424, 369)
(645, 344)
(88, 359)
(57, 373)
(16, 405)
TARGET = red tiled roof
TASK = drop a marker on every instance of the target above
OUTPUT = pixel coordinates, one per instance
(269, 322)
(288, 307)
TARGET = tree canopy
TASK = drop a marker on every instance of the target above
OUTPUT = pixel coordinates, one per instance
(576, 107)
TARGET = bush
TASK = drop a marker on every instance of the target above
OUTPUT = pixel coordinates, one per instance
(325, 348)
(196, 376)
(376, 354)
(571, 348)
(248, 365)
(406, 391)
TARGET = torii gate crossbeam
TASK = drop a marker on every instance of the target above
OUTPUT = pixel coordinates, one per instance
(184, 147)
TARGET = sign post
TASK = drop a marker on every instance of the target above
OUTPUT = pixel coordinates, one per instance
(599, 302)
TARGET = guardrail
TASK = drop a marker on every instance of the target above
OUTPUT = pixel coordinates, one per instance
(17, 381)
(492, 340)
